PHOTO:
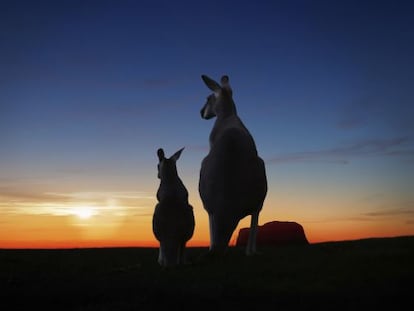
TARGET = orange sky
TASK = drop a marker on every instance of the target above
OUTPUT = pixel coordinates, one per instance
(101, 219)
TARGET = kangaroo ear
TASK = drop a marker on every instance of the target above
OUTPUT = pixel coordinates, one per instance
(160, 154)
(225, 80)
(176, 155)
(211, 84)
(225, 83)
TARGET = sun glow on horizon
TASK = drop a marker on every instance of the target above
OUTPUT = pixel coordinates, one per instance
(83, 212)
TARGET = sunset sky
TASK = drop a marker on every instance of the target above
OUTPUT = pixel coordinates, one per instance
(89, 90)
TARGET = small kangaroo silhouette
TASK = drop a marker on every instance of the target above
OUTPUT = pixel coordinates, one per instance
(173, 219)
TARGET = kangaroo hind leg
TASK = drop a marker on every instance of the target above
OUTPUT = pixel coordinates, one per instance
(251, 242)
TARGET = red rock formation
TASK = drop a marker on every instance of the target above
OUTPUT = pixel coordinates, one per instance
(275, 233)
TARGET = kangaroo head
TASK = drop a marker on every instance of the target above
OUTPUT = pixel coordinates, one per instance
(220, 102)
(167, 166)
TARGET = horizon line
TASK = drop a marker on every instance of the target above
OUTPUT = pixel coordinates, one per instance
(151, 245)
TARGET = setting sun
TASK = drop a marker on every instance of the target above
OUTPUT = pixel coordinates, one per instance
(83, 212)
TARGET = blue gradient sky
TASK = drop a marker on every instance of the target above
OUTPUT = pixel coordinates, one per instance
(89, 90)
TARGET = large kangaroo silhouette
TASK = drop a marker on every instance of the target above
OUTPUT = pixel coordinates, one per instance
(233, 181)
(173, 219)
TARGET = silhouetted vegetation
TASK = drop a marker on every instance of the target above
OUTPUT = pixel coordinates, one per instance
(352, 275)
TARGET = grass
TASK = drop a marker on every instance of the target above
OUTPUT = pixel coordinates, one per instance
(347, 275)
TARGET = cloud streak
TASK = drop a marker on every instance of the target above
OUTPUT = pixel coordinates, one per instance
(405, 213)
(399, 146)
(392, 212)
(63, 204)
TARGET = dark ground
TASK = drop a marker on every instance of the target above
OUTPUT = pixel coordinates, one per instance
(348, 275)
